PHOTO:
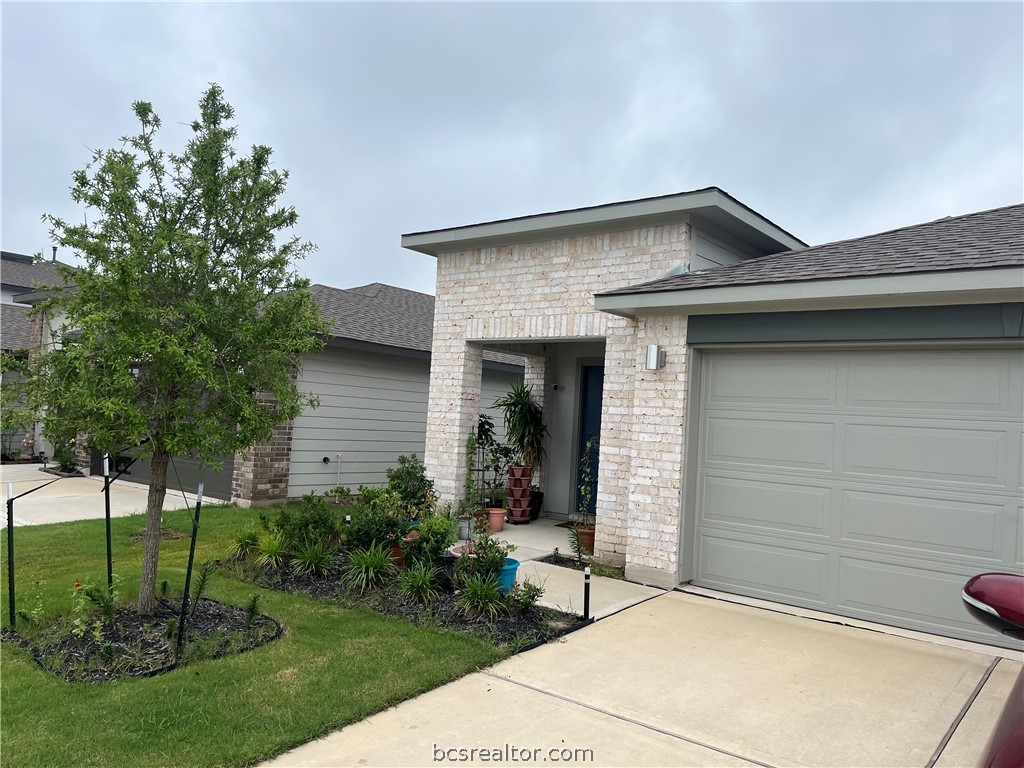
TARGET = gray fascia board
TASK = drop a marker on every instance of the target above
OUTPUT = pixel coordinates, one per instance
(608, 218)
(982, 286)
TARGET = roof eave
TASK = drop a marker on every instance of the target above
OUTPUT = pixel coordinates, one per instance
(978, 286)
(608, 218)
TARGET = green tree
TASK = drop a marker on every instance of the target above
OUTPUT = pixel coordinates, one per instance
(187, 322)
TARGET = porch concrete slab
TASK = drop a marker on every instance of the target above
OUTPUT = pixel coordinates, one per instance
(482, 712)
(971, 736)
(74, 498)
(563, 589)
(543, 534)
(768, 686)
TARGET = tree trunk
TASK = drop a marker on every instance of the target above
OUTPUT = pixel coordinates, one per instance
(151, 542)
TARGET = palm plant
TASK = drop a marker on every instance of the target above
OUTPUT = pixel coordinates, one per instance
(524, 423)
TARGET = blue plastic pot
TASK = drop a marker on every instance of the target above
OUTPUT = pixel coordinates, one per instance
(507, 575)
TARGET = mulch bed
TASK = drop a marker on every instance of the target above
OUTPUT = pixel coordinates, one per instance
(139, 646)
(518, 631)
(564, 561)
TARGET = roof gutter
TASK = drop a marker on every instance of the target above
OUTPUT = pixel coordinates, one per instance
(982, 286)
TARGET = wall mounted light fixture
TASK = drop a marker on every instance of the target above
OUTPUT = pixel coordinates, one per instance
(655, 357)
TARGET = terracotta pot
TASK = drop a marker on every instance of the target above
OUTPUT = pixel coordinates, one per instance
(397, 555)
(496, 519)
(586, 539)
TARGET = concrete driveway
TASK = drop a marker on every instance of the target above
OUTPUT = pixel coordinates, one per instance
(73, 498)
(684, 680)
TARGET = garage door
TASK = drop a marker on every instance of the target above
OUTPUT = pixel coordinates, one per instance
(189, 472)
(866, 483)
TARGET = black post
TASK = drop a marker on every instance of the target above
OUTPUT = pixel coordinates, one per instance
(106, 505)
(10, 553)
(188, 574)
(586, 593)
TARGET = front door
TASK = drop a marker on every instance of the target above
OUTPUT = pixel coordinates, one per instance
(591, 384)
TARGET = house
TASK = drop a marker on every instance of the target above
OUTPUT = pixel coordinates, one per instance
(371, 380)
(20, 274)
(834, 427)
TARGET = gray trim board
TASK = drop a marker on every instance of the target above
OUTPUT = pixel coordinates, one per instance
(971, 321)
(711, 205)
(415, 354)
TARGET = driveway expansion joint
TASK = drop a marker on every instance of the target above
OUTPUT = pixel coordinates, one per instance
(627, 719)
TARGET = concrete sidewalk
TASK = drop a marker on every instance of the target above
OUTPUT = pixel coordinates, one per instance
(74, 498)
(685, 680)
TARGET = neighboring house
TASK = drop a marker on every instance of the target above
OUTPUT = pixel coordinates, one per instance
(21, 274)
(835, 427)
(371, 380)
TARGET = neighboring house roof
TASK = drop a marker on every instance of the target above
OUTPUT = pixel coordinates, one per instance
(993, 238)
(386, 315)
(708, 206)
(18, 270)
(15, 327)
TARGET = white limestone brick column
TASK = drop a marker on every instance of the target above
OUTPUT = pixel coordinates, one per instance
(537, 376)
(656, 480)
(456, 367)
(615, 460)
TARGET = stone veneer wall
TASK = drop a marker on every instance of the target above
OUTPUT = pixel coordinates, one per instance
(544, 291)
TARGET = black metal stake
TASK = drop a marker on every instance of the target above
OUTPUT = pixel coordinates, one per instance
(586, 593)
(10, 553)
(188, 573)
(106, 504)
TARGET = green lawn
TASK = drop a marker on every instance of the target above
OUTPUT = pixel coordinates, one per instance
(333, 665)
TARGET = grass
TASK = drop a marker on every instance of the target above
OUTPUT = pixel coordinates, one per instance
(333, 666)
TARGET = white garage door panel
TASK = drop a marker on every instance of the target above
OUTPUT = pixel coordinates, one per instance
(875, 485)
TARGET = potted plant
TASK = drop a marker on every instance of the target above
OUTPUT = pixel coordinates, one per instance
(583, 526)
(525, 431)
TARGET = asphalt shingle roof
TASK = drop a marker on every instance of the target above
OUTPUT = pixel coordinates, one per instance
(982, 240)
(15, 327)
(15, 272)
(383, 314)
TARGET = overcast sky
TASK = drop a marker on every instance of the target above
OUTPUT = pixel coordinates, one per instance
(832, 120)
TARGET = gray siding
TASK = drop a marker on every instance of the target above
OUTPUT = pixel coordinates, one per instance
(373, 409)
(710, 252)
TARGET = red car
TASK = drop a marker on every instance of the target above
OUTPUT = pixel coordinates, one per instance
(997, 600)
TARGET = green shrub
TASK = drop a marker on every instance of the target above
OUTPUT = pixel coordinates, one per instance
(435, 535)
(273, 551)
(486, 557)
(371, 567)
(252, 610)
(312, 519)
(244, 544)
(481, 596)
(313, 558)
(199, 588)
(419, 582)
(524, 596)
(374, 523)
(409, 480)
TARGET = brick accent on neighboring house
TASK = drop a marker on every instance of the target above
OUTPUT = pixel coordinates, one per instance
(542, 291)
(260, 475)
